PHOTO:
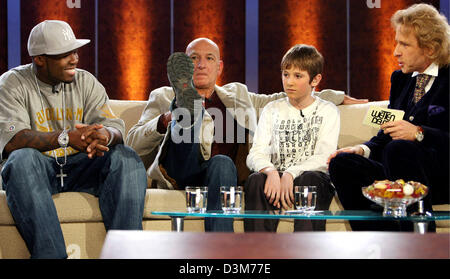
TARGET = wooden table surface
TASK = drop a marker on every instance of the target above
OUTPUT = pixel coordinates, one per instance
(305, 245)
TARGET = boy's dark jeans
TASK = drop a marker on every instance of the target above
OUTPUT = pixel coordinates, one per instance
(255, 199)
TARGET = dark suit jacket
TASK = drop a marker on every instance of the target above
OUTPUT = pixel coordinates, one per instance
(431, 112)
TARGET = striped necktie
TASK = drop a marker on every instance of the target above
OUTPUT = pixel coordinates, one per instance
(421, 83)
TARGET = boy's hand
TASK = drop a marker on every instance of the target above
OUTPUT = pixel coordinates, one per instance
(272, 187)
(287, 191)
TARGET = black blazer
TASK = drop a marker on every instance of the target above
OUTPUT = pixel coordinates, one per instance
(431, 112)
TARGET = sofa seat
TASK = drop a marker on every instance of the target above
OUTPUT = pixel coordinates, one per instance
(80, 217)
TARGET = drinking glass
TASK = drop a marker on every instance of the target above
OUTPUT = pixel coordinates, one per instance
(305, 197)
(231, 198)
(196, 198)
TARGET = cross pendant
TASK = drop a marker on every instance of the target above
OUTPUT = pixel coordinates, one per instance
(61, 175)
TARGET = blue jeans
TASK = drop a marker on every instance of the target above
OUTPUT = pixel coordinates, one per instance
(118, 179)
(184, 163)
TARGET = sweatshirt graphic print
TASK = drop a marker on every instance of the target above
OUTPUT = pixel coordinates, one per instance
(295, 141)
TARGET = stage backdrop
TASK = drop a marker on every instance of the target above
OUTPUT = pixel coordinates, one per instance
(357, 42)
(131, 40)
(134, 44)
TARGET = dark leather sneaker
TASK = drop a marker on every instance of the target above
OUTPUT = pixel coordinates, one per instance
(179, 71)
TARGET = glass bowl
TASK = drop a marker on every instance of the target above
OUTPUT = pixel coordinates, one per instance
(392, 198)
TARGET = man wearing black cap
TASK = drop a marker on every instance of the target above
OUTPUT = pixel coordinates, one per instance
(58, 134)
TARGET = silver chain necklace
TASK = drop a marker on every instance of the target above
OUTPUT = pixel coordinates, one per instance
(61, 174)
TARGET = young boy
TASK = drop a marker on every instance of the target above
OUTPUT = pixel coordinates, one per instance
(294, 138)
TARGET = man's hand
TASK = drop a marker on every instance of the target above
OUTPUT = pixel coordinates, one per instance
(400, 130)
(350, 100)
(287, 190)
(352, 149)
(92, 139)
(272, 186)
(163, 122)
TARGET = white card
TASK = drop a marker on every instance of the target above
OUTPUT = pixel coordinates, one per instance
(378, 115)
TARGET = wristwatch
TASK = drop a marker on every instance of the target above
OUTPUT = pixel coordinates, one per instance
(419, 134)
(63, 138)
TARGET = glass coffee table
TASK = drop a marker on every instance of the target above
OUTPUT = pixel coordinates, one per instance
(420, 222)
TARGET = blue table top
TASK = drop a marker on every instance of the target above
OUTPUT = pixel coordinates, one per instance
(314, 215)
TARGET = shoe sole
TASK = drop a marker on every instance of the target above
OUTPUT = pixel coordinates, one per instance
(180, 70)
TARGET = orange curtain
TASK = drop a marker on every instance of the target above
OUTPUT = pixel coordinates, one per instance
(323, 23)
(284, 23)
(134, 39)
(134, 43)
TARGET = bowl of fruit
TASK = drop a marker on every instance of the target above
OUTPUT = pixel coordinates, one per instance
(395, 196)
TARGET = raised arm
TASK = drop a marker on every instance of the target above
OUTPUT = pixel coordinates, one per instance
(144, 136)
